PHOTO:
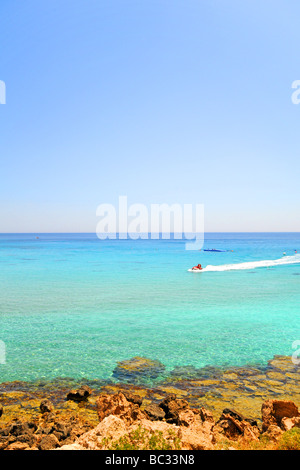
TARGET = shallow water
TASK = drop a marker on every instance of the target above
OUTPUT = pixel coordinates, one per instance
(72, 305)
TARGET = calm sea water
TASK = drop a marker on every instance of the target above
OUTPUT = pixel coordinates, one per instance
(72, 305)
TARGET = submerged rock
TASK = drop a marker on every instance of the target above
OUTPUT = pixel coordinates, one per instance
(138, 368)
(193, 373)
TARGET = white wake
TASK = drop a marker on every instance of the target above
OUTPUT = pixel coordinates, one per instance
(295, 259)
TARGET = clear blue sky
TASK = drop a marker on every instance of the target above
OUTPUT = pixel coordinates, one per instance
(164, 101)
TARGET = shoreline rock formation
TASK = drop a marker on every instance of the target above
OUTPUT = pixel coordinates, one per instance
(125, 423)
(251, 406)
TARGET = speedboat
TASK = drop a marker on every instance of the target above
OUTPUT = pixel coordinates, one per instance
(218, 251)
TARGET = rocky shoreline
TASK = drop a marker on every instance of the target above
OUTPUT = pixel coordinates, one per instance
(206, 408)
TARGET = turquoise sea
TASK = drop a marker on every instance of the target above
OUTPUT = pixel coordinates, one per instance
(73, 305)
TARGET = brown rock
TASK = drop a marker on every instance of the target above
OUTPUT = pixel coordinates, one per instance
(188, 417)
(21, 432)
(48, 442)
(80, 394)
(196, 429)
(225, 428)
(46, 406)
(289, 423)
(118, 405)
(5, 431)
(172, 406)
(234, 426)
(237, 416)
(132, 398)
(195, 439)
(61, 431)
(233, 413)
(18, 428)
(273, 432)
(154, 412)
(201, 419)
(18, 446)
(112, 428)
(206, 416)
(273, 411)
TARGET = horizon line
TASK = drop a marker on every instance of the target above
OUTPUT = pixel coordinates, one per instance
(142, 233)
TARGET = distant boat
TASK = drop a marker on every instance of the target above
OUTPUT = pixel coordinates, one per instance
(218, 251)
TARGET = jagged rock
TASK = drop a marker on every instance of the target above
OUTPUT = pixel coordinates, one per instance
(48, 442)
(206, 416)
(18, 446)
(61, 431)
(238, 416)
(132, 398)
(200, 418)
(154, 412)
(5, 431)
(113, 428)
(227, 428)
(19, 428)
(187, 417)
(119, 406)
(80, 394)
(22, 435)
(138, 368)
(17, 434)
(273, 411)
(118, 417)
(234, 426)
(195, 427)
(289, 423)
(273, 432)
(233, 413)
(44, 430)
(46, 406)
(171, 406)
(194, 438)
